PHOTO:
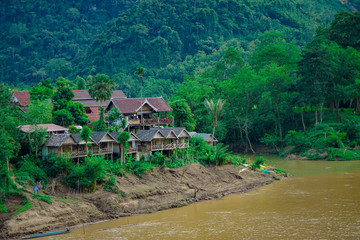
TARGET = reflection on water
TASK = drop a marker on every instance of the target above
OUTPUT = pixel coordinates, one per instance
(322, 201)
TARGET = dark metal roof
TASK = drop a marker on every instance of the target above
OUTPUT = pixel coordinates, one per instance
(147, 135)
(206, 136)
(77, 138)
(57, 140)
(97, 136)
(166, 131)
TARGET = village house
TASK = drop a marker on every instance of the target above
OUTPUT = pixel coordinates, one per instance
(208, 137)
(71, 145)
(165, 140)
(144, 142)
(133, 149)
(50, 128)
(21, 99)
(141, 113)
(91, 106)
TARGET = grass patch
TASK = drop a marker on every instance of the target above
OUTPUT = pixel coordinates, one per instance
(43, 198)
(3, 208)
(22, 209)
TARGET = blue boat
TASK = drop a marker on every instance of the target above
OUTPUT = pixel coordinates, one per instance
(47, 234)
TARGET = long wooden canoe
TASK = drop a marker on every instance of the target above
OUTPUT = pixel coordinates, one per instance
(47, 234)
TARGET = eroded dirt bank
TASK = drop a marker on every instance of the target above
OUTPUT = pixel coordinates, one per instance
(157, 190)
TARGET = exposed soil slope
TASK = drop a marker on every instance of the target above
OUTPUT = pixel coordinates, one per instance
(157, 190)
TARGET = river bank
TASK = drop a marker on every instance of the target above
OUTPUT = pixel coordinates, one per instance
(157, 190)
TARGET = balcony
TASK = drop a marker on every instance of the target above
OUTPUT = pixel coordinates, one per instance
(150, 121)
(131, 150)
(169, 146)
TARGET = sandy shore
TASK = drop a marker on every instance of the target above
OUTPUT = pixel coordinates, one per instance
(160, 189)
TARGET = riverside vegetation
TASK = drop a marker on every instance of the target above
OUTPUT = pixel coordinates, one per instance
(278, 84)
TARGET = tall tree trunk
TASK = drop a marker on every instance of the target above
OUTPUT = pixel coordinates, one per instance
(302, 118)
(246, 131)
(316, 115)
(337, 112)
(122, 154)
(8, 163)
(321, 112)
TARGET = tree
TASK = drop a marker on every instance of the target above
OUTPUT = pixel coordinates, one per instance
(113, 117)
(77, 111)
(140, 72)
(345, 29)
(63, 117)
(38, 112)
(41, 93)
(215, 111)
(101, 88)
(80, 83)
(182, 114)
(123, 139)
(37, 138)
(7, 147)
(64, 93)
(85, 135)
(100, 126)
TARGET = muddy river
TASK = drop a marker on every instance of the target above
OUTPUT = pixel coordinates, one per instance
(321, 201)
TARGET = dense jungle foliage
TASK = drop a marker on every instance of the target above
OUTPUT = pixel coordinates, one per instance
(171, 39)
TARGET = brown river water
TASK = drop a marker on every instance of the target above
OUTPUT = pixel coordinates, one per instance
(321, 201)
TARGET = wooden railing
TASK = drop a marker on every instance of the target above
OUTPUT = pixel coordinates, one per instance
(150, 121)
(131, 150)
(169, 146)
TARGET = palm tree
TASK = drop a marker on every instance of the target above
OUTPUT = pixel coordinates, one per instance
(85, 135)
(140, 72)
(215, 111)
(101, 87)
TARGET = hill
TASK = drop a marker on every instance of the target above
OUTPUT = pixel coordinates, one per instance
(42, 39)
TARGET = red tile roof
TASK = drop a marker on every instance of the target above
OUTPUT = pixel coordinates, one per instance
(84, 94)
(91, 103)
(22, 97)
(131, 105)
(81, 94)
(95, 114)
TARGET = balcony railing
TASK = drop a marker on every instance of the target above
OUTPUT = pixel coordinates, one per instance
(131, 150)
(169, 146)
(149, 121)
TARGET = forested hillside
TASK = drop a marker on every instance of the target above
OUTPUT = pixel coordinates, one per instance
(171, 39)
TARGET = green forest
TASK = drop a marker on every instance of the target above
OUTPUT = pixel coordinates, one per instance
(280, 73)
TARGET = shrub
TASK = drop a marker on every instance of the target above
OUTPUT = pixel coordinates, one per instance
(3, 208)
(258, 161)
(56, 165)
(111, 185)
(29, 172)
(138, 168)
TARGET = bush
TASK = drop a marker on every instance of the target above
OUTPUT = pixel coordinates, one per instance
(85, 177)
(56, 165)
(3, 208)
(28, 172)
(259, 161)
(111, 185)
(138, 168)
